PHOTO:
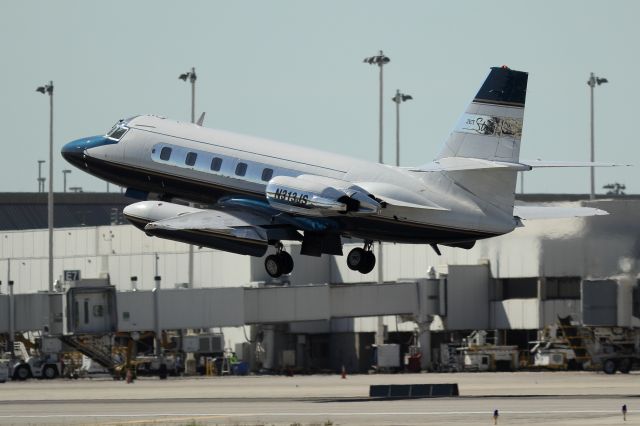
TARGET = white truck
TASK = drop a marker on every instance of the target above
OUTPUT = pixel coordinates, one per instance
(40, 367)
(43, 363)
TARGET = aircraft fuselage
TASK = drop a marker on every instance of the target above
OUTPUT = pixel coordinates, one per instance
(197, 164)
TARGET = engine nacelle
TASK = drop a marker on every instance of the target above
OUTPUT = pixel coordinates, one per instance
(312, 195)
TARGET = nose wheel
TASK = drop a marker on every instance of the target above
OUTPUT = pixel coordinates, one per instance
(362, 259)
(280, 263)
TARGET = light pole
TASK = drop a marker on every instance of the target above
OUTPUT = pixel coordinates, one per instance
(64, 178)
(191, 76)
(48, 89)
(593, 80)
(398, 99)
(380, 60)
(40, 178)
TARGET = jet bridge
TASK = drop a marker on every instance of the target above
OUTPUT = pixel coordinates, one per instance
(79, 310)
(88, 309)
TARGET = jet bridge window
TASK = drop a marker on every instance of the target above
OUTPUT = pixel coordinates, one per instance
(241, 169)
(216, 164)
(165, 153)
(267, 174)
(562, 288)
(190, 160)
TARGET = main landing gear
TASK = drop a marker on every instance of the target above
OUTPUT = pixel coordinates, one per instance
(280, 263)
(362, 259)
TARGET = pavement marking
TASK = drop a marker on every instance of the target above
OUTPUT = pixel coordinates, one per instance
(162, 420)
(306, 414)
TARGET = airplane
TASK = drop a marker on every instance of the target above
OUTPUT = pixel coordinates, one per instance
(258, 193)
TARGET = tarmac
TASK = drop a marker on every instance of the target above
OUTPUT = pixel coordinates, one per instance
(556, 398)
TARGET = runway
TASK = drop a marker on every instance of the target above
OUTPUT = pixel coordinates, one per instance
(286, 401)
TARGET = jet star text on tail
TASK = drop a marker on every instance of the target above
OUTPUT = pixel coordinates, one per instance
(261, 197)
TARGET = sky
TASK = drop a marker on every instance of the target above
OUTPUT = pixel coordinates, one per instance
(292, 71)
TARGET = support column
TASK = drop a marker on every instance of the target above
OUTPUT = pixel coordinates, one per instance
(156, 316)
(12, 318)
(424, 341)
(268, 343)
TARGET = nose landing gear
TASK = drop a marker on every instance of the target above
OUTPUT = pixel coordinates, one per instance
(280, 263)
(362, 259)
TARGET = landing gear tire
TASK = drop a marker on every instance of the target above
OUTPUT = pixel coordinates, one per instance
(273, 265)
(368, 262)
(609, 366)
(286, 261)
(278, 264)
(354, 258)
(361, 260)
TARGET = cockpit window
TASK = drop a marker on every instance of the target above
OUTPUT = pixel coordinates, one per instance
(117, 131)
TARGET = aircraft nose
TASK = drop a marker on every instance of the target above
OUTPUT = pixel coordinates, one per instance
(74, 151)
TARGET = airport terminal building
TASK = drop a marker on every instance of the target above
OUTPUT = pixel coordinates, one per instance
(511, 286)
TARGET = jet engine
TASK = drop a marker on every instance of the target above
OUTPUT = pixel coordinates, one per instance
(312, 195)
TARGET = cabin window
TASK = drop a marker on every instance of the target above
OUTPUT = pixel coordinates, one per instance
(267, 174)
(165, 153)
(216, 163)
(241, 169)
(191, 159)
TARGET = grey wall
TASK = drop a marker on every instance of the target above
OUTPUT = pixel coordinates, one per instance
(467, 297)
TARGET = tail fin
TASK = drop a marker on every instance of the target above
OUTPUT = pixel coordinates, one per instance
(491, 126)
(490, 129)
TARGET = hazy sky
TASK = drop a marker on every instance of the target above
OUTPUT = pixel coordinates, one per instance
(292, 71)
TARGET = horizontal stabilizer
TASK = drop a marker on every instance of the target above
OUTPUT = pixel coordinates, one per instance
(450, 164)
(543, 163)
(532, 212)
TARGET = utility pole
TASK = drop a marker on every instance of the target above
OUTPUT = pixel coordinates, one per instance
(48, 89)
(40, 178)
(191, 75)
(593, 80)
(398, 99)
(380, 60)
(64, 178)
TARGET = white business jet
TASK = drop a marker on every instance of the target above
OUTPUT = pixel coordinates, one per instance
(259, 192)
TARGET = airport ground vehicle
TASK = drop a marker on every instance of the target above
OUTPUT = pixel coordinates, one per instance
(570, 345)
(41, 361)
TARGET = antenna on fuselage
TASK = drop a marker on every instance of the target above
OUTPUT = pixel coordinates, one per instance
(200, 120)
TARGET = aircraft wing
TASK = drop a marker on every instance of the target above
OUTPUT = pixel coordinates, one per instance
(237, 224)
(234, 227)
(532, 212)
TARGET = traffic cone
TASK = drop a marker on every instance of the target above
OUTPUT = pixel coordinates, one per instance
(344, 373)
